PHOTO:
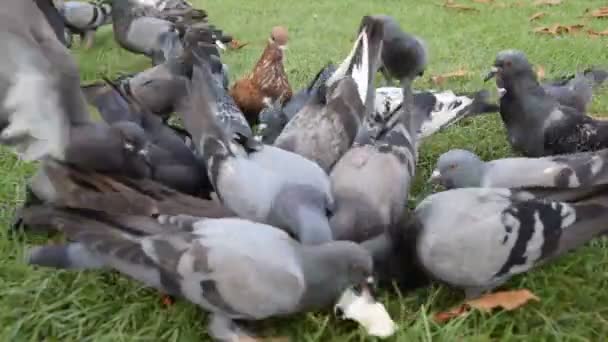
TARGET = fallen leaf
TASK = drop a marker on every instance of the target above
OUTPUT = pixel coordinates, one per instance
(441, 79)
(236, 44)
(508, 300)
(537, 15)
(540, 72)
(547, 2)
(601, 12)
(453, 5)
(557, 29)
(594, 33)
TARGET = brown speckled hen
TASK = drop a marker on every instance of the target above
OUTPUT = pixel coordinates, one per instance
(268, 81)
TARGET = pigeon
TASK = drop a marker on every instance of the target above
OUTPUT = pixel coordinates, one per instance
(139, 32)
(273, 118)
(171, 161)
(371, 181)
(289, 191)
(498, 233)
(326, 127)
(61, 185)
(230, 117)
(50, 118)
(576, 92)
(233, 268)
(463, 169)
(54, 19)
(446, 108)
(404, 56)
(84, 18)
(537, 125)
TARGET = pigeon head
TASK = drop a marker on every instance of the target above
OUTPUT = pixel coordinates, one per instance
(508, 65)
(458, 169)
(278, 36)
(272, 120)
(134, 139)
(357, 301)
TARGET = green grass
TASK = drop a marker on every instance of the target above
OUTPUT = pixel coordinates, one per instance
(48, 305)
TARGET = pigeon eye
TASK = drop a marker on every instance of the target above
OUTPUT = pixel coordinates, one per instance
(452, 166)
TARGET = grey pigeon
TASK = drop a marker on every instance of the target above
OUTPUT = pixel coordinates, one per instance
(404, 56)
(288, 191)
(326, 127)
(273, 118)
(171, 162)
(54, 18)
(576, 93)
(233, 268)
(84, 18)
(461, 168)
(371, 181)
(138, 32)
(49, 118)
(476, 239)
(537, 125)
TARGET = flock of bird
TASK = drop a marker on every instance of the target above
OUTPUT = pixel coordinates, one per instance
(307, 209)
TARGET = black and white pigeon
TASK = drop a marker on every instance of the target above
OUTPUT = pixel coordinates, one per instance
(445, 107)
(537, 124)
(139, 31)
(566, 177)
(476, 239)
(233, 268)
(273, 118)
(44, 113)
(84, 18)
(371, 181)
(289, 191)
(326, 127)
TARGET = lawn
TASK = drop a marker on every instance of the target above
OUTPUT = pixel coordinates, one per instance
(48, 305)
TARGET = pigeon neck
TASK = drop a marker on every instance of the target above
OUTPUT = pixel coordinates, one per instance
(522, 83)
(325, 273)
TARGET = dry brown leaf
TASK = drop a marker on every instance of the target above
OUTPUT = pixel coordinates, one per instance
(547, 2)
(601, 12)
(453, 5)
(557, 29)
(540, 72)
(236, 44)
(537, 15)
(441, 79)
(508, 300)
(594, 33)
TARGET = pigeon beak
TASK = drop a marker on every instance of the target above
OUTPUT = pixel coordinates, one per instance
(220, 45)
(491, 74)
(145, 154)
(501, 92)
(435, 177)
(365, 310)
